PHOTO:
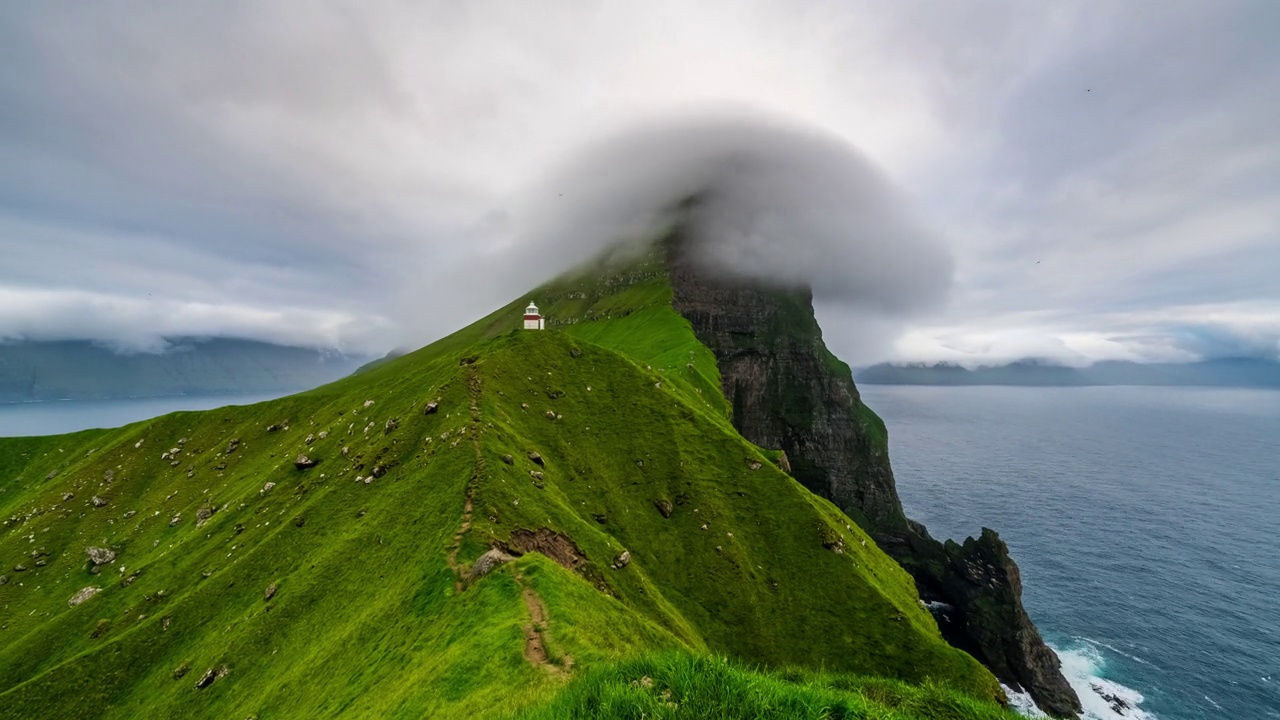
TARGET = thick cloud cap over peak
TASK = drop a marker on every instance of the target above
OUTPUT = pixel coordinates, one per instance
(764, 200)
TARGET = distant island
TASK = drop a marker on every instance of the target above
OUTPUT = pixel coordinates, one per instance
(1226, 372)
(82, 370)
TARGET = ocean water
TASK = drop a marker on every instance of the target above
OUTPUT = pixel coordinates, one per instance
(1146, 522)
(52, 418)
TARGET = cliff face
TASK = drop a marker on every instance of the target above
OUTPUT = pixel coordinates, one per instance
(788, 391)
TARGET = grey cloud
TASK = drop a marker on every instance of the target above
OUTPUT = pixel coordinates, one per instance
(379, 173)
(762, 199)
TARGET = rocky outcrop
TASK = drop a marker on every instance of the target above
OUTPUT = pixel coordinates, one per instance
(83, 595)
(788, 392)
(983, 586)
(488, 562)
(100, 556)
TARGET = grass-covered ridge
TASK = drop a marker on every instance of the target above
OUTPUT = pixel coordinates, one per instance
(596, 457)
(680, 685)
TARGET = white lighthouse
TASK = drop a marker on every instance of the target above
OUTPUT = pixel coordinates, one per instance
(533, 320)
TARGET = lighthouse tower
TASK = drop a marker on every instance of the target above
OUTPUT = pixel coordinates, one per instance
(533, 320)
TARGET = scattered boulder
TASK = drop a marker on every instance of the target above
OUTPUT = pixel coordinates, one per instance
(380, 470)
(52, 474)
(550, 415)
(537, 478)
(665, 508)
(67, 496)
(390, 425)
(274, 427)
(487, 562)
(601, 518)
(753, 464)
(266, 488)
(98, 501)
(206, 679)
(83, 595)
(19, 568)
(173, 522)
(508, 459)
(575, 352)
(303, 462)
(432, 408)
(309, 439)
(233, 445)
(368, 404)
(180, 671)
(108, 476)
(536, 459)
(203, 514)
(100, 555)
(4, 579)
(346, 451)
(622, 560)
(269, 593)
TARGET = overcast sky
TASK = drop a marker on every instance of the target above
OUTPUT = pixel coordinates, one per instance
(1074, 180)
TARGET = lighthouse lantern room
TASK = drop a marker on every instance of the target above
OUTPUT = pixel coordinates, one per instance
(533, 320)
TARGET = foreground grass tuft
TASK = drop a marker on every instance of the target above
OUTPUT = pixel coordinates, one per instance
(682, 685)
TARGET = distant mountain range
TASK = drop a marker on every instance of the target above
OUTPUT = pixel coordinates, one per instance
(81, 370)
(1229, 372)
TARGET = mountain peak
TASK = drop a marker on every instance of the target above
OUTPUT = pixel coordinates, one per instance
(473, 522)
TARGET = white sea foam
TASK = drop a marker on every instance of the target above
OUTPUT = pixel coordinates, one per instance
(1112, 648)
(1023, 703)
(1083, 665)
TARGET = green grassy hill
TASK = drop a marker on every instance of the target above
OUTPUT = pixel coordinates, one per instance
(502, 524)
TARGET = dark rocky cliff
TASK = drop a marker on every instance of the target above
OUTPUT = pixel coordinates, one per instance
(788, 391)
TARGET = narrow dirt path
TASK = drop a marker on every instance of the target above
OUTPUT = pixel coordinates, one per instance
(473, 390)
(535, 651)
(535, 632)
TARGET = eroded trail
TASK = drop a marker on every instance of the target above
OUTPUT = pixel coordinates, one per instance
(474, 389)
(535, 633)
(535, 650)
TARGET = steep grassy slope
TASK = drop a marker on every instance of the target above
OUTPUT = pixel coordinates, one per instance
(680, 685)
(628, 517)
